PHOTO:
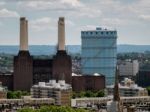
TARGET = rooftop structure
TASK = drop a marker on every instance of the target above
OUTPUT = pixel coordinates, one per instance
(99, 52)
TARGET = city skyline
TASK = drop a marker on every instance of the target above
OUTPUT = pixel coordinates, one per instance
(130, 18)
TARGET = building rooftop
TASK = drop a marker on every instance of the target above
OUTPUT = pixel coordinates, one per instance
(127, 84)
(53, 84)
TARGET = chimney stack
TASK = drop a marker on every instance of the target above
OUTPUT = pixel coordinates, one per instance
(23, 34)
(61, 34)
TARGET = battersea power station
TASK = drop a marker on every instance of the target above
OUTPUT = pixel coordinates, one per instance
(29, 71)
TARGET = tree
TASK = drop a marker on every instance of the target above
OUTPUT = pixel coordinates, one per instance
(100, 93)
(148, 89)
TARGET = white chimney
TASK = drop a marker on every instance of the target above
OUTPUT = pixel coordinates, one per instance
(23, 34)
(61, 34)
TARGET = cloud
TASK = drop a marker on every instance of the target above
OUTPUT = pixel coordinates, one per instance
(41, 24)
(57, 5)
(47, 23)
(2, 3)
(7, 13)
(145, 17)
(70, 8)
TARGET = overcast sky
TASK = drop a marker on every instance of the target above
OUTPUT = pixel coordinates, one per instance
(131, 18)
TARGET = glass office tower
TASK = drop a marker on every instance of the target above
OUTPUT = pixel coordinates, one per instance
(99, 53)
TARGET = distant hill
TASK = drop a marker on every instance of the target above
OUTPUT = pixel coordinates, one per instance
(133, 48)
(40, 49)
(49, 50)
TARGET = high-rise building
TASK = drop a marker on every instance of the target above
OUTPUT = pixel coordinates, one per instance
(99, 51)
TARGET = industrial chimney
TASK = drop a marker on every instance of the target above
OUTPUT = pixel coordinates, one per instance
(61, 34)
(23, 34)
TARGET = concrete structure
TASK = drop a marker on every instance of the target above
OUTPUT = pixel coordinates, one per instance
(61, 34)
(128, 68)
(128, 88)
(60, 91)
(23, 34)
(143, 77)
(86, 82)
(99, 51)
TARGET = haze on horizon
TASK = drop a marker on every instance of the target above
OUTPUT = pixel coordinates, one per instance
(131, 18)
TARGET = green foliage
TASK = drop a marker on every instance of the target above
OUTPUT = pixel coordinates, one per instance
(52, 109)
(26, 109)
(148, 89)
(82, 94)
(16, 94)
(100, 94)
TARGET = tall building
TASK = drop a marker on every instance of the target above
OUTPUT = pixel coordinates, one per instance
(99, 51)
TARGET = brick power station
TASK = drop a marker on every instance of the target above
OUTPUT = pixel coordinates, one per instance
(29, 71)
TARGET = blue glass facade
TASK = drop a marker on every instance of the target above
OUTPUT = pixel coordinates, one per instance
(99, 51)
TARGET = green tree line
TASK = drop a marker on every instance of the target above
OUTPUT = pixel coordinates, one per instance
(82, 94)
(16, 94)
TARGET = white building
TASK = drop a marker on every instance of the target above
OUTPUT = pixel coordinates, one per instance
(60, 91)
(128, 88)
(99, 51)
(128, 67)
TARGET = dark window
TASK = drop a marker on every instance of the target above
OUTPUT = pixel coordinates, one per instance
(102, 33)
(91, 32)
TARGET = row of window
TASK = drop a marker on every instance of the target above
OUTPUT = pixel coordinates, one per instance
(99, 32)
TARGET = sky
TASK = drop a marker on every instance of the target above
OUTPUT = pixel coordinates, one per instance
(131, 19)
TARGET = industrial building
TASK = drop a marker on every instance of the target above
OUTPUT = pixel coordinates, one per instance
(60, 91)
(29, 71)
(99, 52)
